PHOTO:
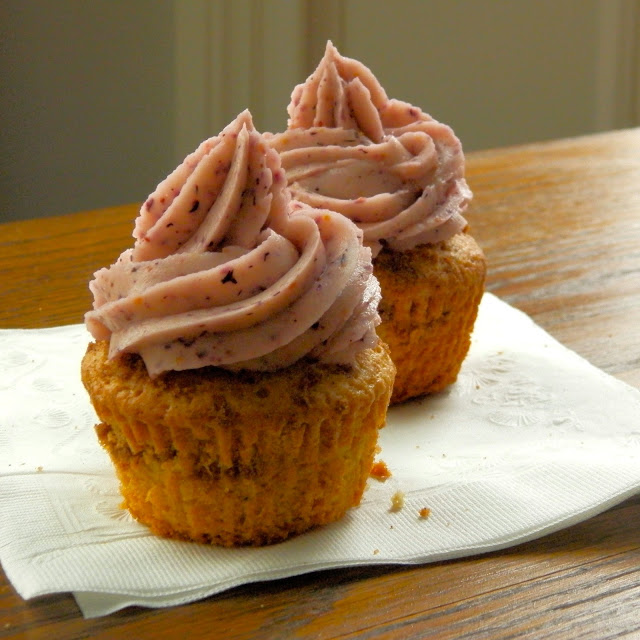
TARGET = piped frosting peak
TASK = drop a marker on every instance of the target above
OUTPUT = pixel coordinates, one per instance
(225, 272)
(385, 164)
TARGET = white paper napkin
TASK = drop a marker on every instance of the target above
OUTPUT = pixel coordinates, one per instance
(531, 438)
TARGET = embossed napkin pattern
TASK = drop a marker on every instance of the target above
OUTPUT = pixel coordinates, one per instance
(531, 439)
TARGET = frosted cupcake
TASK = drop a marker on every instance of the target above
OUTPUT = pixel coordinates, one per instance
(236, 370)
(399, 175)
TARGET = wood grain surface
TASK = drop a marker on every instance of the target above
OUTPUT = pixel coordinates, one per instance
(560, 224)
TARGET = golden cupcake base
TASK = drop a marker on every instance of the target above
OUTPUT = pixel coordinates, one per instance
(430, 299)
(239, 459)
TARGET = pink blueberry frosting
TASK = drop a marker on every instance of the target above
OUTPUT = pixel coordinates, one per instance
(225, 272)
(392, 169)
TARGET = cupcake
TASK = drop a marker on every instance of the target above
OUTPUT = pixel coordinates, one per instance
(398, 174)
(236, 370)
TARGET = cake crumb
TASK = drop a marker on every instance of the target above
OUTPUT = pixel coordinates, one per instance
(424, 513)
(376, 552)
(39, 469)
(397, 501)
(380, 471)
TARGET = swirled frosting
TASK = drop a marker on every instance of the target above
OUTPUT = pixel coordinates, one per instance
(223, 272)
(392, 169)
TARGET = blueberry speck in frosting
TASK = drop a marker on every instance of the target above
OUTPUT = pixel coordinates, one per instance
(229, 278)
(194, 206)
(148, 204)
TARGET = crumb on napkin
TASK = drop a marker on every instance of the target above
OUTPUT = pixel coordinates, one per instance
(380, 471)
(397, 501)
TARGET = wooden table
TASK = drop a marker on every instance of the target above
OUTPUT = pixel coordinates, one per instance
(560, 224)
